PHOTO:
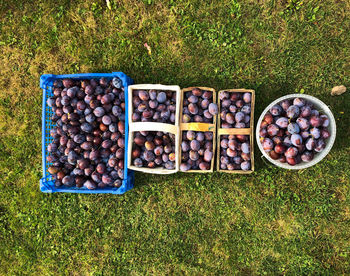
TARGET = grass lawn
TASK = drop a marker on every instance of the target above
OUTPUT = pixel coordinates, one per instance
(271, 222)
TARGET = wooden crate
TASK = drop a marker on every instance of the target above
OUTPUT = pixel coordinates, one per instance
(154, 126)
(236, 131)
(198, 127)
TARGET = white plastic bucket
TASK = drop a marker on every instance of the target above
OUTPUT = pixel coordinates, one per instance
(323, 108)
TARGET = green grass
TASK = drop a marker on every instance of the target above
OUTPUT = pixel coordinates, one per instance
(271, 222)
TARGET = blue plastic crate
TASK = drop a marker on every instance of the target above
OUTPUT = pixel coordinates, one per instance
(47, 183)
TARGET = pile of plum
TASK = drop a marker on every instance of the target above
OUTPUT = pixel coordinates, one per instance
(235, 109)
(235, 152)
(153, 149)
(88, 137)
(196, 150)
(198, 106)
(293, 131)
(154, 106)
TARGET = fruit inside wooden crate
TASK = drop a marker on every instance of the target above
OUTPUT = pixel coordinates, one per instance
(235, 131)
(198, 129)
(154, 128)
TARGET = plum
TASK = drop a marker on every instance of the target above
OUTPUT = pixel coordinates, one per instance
(315, 121)
(230, 118)
(325, 134)
(245, 147)
(282, 122)
(208, 155)
(293, 128)
(138, 162)
(161, 97)
(213, 109)
(325, 120)
(268, 118)
(99, 111)
(231, 153)
(296, 139)
(204, 166)
(276, 110)
(195, 145)
(90, 185)
(263, 132)
(293, 112)
(194, 155)
(305, 111)
(291, 152)
(245, 166)
(303, 123)
(315, 132)
(299, 102)
(239, 117)
(184, 167)
(117, 82)
(280, 148)
(307, 156)
(247, 97)
(267, 144)
(320, 145)
(285, 104)
(272, 130)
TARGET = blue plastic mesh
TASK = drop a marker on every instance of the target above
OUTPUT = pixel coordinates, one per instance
(47, 183)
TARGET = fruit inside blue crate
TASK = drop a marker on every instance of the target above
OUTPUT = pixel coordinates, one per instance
(154, 106)
(235, 109)
(88, 143)
(198, 106)
(153, 149)
(196, 150)
(293, 131)
(235, 152)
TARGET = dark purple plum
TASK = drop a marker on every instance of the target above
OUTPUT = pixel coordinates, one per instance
(296, 139)
(307, 156)
(325, 120)
(161, 97)
(276, 110)
(320, 145)
(293, 112)
(239, 117)
(195, 145)
(267, 144)
(247, 97)
(272, 130)
(293, 128)
(282, 122)
(299, 102)
(86, 127)
(99, 111)
(194, 155)
(185, 146)
(303, 123)
(315, 132)
(138, 162)
(315, 121)
(305, 111)
(185, 167)
(245, 147)
(325, 134)
(245, 166)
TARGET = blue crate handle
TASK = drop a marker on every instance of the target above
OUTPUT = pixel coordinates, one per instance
(47, 186)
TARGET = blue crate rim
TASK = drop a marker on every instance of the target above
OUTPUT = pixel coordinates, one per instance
(46, 183)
